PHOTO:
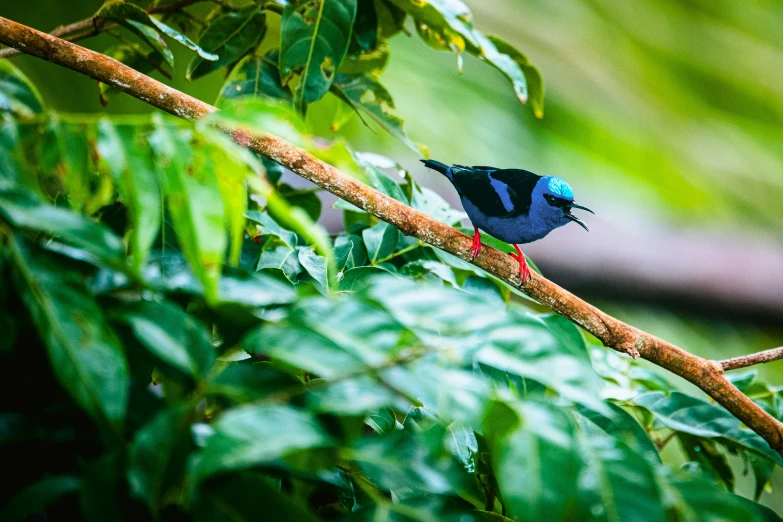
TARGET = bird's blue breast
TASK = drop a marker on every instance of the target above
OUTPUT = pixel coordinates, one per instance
(520, 229)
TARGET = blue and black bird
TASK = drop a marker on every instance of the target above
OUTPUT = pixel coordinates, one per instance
(513, 205)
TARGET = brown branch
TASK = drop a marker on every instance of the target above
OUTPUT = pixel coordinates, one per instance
(95, 25)
(707, 375)
(744, 361)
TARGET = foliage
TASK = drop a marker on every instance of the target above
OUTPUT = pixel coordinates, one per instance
(212, 356)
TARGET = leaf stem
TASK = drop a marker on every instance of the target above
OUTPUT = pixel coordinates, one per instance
(399, 253)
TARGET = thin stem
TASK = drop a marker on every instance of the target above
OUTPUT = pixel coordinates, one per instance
(399, 252)
(660, 444)
(749, 360)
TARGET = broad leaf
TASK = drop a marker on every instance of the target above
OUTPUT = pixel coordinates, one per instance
(688, 414)
(535, 458)
(616, 483)
(250, 436)
(381, 241)
(229, 36)
(255, 76)
(195, 205)
(157, 457)
(314, 39)
(84, 352)
(533, 79)
(17, 94)
(171, 336)
(96, 241)
(136, 20)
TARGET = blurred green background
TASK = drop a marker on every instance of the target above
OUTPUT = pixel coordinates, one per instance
(666, 117)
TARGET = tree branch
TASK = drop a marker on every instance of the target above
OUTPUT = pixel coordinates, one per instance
(707, 375)
(744, 361)
(95, 25)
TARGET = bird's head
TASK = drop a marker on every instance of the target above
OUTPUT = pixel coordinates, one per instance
(554, 199)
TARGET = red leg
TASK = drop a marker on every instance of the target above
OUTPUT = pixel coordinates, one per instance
(524, 270)
(476, 248)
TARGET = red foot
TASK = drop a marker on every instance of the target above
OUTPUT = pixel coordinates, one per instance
(524, 270)
(476, 248)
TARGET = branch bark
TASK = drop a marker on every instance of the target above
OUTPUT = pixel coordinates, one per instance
(744, 361)
(706, 374)
(95, 25)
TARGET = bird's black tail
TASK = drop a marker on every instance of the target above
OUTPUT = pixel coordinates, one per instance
(437, 165)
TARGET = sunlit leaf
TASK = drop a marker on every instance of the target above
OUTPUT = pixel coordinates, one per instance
(688, 414)
(255, 76)
(136, 20)
(314, 39)
(541, 440)
(250, 436)
(229, 36)
(533, 79)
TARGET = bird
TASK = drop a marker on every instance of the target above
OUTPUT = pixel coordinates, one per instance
(513, 205)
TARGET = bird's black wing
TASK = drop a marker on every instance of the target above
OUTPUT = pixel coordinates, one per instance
(496, 192)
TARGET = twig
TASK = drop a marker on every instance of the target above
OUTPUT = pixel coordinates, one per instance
(706, 374)
(94, 26)
(744, 361)
(660, 444)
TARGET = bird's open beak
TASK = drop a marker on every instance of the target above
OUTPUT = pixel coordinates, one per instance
(567, 213)
(576, 220)
(580, 207)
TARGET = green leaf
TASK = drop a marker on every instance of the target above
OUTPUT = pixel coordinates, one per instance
(133, 168)
(158, 455)
(84, 352)
(353, 249)
(699, 500)
(306, 199)
(391, 19)
(688, 414)
(364, 35)
(136, 20)
(381, 241)
(229, 36)
(184, 40)
(97, 242)
(622, 426)
(539, 439)
(487, 52)
(37, 496)
(247, 496)
(171, 336)
(17, 94)
(194, 203)
(314, 39)
(255, 76)
(367, 96)
(443, 24)
(250, 436)
(315, 265)
(616, 484)
(709, 457)
(534, 81)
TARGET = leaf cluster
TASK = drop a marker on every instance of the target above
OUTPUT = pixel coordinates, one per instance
(200, 349)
